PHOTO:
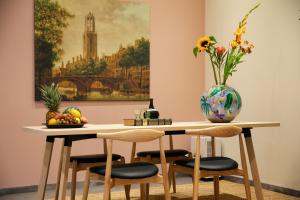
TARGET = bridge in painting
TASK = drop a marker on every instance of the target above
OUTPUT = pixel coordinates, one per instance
(84, 83)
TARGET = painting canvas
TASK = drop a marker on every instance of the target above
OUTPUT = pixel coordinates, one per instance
(93, 49)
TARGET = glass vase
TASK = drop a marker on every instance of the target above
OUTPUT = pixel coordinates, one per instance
(221, 104)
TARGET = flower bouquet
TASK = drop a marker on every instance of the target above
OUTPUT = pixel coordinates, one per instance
(223, 103)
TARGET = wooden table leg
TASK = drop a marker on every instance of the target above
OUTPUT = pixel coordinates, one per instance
(65, 169)
(196, 175)
(45, 168)
(172, 180)
(59, 171)
(104, 146)
(253, 164)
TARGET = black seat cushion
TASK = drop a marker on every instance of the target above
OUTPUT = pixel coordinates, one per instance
(168, 153)
(211, 163)
(93, 158)
(136, 170)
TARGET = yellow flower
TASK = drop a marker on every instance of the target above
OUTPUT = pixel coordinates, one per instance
(238, 34)
(240, 31)
(238, 39)
(203, 43)
(234, 44)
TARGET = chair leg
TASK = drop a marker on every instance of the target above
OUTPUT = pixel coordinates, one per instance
(108, 168)
(86, 185)
(127, 191)
(172, 178)
(74, 174)
(147, 191)
(195, 188)
(216, 187)
(143, 191)
(107, 193)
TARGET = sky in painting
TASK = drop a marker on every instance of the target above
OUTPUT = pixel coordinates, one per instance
(117, 23)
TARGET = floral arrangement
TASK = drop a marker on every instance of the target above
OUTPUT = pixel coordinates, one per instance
(222, 60)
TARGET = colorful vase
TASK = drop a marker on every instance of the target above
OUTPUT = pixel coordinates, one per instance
(221, 104)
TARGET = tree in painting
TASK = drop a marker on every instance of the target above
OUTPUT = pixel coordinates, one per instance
(48, 33)
(142, 56)
(137, 55)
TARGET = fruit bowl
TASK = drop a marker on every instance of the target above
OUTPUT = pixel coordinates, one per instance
(64, 125)
(70, 118)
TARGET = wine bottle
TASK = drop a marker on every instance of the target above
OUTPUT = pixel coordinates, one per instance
(151, 112)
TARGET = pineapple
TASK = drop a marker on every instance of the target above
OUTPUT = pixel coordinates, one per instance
(52, 99)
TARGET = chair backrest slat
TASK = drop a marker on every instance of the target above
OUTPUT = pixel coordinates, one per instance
(219, 131)
(138, 135)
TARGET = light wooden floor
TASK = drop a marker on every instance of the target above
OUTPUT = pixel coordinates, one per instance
(229, 191)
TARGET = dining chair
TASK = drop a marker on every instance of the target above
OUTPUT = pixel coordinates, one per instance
(214, 166)
(84, 162)
(141, 173)
(171, 155)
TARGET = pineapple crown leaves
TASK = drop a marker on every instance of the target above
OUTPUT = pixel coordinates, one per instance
(51, 96)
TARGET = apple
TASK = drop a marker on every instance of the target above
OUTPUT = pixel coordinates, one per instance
(83, 120)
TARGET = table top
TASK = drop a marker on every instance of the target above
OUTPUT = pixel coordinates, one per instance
(108, 128)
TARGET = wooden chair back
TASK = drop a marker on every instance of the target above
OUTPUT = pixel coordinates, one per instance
(223, 132)
(139, 135)
(219, 131)
(134, 136)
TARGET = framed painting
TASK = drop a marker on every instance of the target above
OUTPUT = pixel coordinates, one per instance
(93, 49)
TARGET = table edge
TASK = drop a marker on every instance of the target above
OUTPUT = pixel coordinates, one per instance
(106, 128)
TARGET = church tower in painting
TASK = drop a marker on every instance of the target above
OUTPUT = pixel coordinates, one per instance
(89, 38)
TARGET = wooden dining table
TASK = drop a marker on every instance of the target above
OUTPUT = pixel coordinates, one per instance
(90, 131)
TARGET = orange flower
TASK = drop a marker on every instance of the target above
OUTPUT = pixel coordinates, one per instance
(220, 50)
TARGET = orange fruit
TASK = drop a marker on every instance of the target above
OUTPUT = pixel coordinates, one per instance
(52, 121)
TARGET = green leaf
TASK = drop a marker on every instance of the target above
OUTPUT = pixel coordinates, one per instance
(195, 51)
(212, 38)
(215, 63)
(225, 54)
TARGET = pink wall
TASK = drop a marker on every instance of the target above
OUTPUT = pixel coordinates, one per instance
(176, 85)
